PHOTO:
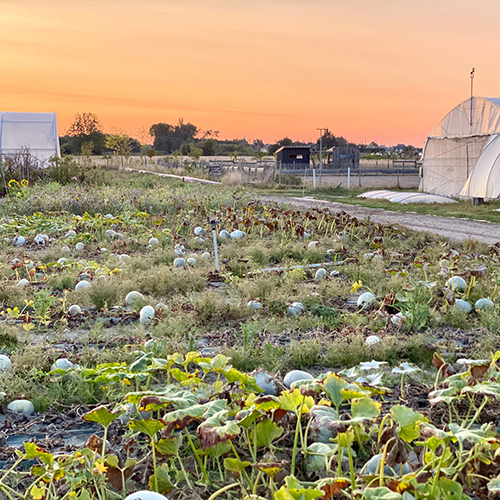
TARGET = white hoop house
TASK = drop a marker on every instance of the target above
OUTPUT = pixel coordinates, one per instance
(36, 131)
(460, 155)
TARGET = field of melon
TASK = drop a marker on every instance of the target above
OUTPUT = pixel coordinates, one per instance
(329, 358)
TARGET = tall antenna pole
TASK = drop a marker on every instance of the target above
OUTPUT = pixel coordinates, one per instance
(471, 93)
(321, 130)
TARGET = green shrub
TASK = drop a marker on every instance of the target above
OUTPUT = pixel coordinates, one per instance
(66, 170)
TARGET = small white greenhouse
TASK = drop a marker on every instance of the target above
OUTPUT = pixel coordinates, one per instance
(35, 131)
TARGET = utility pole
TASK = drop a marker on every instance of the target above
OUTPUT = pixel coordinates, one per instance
(321, 130)
(471, 93)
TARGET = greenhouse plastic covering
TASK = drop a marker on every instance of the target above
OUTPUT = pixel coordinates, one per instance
(406, 197)
(456, 145)
(37, 131)
(485, 119)
(484, 181)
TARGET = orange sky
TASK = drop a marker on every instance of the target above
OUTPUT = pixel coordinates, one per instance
(387, 70)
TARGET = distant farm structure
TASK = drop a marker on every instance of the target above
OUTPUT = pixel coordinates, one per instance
(293, 156)
(342, 157)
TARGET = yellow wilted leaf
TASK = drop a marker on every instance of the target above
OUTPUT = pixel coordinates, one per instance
(292, 400)
(38, 493)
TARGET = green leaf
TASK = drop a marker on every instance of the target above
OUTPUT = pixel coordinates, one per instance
(247, 417)
(184, 378)
(491, 389)
(405, 368)
(218, 450)
(317, 454)
(169, 394)
(233, 375)
(450, 489)
(84, 495)
(266, 432)
(295, 491)
(38, 493)
(102, 416)
(169, 446)
(164, 484)
(408, 421)
(443, 395)
(307, 385)
(432, 460)
(33, 451)
(142, 363)
(130, 462)
(365, 408)
(235, 465)
(213, 431)
(362, 409)
(191, 356)
(381, 493)
(148, 426)
(494, 485)
(264, 403)
(332, 385)
(38, 470)
(183, 417)
(344, 439)
(328, 412)
(267, 406)
(217, 364)
(353, 391)
(433, 431)
(113, 461)
(473, 436)
(433, 443)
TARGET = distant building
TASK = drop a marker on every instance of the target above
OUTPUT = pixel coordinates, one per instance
(343, 157)
(293, 155)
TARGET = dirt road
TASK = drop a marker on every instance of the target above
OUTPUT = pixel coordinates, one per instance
(453, 228)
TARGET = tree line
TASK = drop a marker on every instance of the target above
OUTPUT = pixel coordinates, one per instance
(85, 136)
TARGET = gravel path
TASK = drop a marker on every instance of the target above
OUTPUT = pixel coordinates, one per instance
(450, 227)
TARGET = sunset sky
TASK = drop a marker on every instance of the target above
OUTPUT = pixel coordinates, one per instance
(384, 70)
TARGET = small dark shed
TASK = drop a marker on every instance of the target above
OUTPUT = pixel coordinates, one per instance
(293, 155)
(343, 157)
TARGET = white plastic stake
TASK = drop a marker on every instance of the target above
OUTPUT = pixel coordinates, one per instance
(216, 253)
(348, 177)
(314, 178)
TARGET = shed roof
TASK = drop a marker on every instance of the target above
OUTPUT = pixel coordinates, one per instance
(293, 147)
(330, 150)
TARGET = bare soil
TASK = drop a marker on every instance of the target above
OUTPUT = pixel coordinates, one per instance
(453, 228)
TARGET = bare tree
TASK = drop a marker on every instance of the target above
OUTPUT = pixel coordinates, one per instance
(84, 124)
